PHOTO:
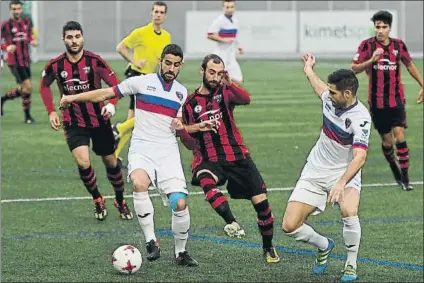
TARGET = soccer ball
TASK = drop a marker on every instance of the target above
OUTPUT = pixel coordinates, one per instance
(127, 259)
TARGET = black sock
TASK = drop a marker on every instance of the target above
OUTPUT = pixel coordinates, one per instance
(265, 223)
(402, 151)
(216, 199)
(115, 178)
(88, 177)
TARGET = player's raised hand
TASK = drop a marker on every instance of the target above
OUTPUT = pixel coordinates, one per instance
(209, 125)
(308, 60)
(420, 98)
(54, 121)
(226, 79)
(377, 53)
(337, 193)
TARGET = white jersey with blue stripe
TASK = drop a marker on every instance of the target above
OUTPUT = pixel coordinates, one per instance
(227, 28)
(342, 130)
(156, 104)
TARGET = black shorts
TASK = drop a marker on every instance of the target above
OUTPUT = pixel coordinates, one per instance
(102, 138)
(20, 73)
(386, 119)
(128, 74)
(244, 179)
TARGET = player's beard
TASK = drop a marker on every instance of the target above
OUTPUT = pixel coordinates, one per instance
(72, 51)
(16, 16)
(208, 84)
(162, 74)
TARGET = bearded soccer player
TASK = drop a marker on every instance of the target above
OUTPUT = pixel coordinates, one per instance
(77, 71)
(380, 57)
(224, 31)
(147, 43)
(154, 157)
(16, 33)
(333, 169)
(223, 156)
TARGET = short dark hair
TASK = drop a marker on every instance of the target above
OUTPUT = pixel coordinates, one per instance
(383, 16)
(215, 59)
(160, 3)
(14, 2)
(228, 1)
(71, 25)
(344, 79)
(173, 49)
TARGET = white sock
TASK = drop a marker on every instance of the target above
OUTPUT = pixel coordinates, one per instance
(352, 238)
(180, 227)
(306, 234)
(143, 207)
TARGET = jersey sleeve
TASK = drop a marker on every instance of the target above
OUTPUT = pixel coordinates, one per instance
(404, 54)
(363, 53)
(47, 78)
(361, 132)
(215, 26)
(135, 38)
(106, 73)
(180, 111)
(187, 114)
(128, 86)
(5, 36)
(324, 95)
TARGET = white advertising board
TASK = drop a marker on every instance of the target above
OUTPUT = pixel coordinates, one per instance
(337, 31)
(259, 32)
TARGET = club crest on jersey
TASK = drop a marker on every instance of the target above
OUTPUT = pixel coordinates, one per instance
(198, 109)
(64, 74)
(395, 52)
(180, 95)
(347, 123)
(218, 98)
(14, 29)
(86, 69)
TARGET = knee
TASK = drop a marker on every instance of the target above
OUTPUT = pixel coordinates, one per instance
(83, 162)
(139, 183)
(178, 201)
(387, 142)
(289, 226)
(110, 161)
(349, 212)
(26, 89)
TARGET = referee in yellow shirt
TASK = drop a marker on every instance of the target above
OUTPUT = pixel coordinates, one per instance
(147, 43)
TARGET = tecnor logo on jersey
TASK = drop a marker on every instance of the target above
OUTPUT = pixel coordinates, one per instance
(78, 85)
(212, 114)
(392, 66)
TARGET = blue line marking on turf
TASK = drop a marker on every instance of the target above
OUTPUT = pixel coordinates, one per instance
(233, 242)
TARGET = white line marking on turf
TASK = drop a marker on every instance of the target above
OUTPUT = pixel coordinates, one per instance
(192, 193)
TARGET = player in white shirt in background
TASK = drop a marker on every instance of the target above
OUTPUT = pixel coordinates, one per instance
(224, 31)
(333, 169)
(154, 157)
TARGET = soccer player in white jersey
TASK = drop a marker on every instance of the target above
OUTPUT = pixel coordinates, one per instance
(333, 169)
(154, 157)
(224, 31)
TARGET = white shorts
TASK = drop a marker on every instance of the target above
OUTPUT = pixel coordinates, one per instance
(231, 65)
(162, 165)
(314, 186)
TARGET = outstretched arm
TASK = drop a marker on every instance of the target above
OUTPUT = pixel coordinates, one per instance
(317, 84)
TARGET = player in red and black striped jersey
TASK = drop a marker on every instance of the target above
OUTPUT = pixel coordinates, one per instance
(16, 33)
(222, 156)
(77, 71)
(381, 58)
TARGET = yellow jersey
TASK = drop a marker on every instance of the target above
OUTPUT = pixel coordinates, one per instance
(147, 45)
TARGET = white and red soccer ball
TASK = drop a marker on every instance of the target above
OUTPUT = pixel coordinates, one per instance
(127, 259)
